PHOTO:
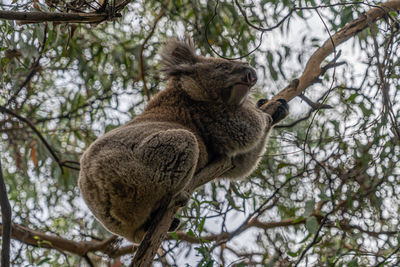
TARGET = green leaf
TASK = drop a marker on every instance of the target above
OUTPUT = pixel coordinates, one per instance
(352, 97)
(306, 238)
(201, 225)
(191, 233)
(43, 261)
(353, 263)
(174, 235)
(312, 225)
(309, 208)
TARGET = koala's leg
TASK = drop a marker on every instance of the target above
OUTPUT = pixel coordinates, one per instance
(211, 171)
(170, 157)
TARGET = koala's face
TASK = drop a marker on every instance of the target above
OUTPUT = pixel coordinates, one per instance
(229, 80)
(221, 80)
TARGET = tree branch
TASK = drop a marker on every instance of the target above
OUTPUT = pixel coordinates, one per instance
(313, 68)
(38, 239)
(155, 235)
(105, 12)
(6, 220)
(37, 17)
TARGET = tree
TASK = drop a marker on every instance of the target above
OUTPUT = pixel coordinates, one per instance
(326, 193)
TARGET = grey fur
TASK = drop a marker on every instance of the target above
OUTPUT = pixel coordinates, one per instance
(204, 113)
(177, 55)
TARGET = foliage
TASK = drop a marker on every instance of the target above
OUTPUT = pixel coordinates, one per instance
(327, 188)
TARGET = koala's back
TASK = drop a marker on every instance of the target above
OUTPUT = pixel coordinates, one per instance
(220, 130)
(126, 173)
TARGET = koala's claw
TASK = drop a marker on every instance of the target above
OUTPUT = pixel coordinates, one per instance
(281, 112)
(283, 101)
(261, 102)
(278, 109)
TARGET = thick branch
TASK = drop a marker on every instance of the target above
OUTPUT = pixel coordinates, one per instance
(36, 17)
(6, 219)
(313, 68)
(155, 235)
(37, 238)
(106, 12)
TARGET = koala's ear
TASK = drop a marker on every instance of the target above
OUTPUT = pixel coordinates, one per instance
(177, 56)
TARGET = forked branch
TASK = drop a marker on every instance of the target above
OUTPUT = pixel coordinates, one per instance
(313, 68)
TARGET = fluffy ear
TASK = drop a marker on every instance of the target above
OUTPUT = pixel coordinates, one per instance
(177, 56)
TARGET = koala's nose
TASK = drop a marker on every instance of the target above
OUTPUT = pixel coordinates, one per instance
(250, 76)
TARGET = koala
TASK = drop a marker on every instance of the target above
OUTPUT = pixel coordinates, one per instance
(206, 112)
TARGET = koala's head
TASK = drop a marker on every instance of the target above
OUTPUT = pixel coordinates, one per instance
(207, 79)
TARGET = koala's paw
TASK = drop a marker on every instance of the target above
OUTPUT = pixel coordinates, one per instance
(174, 225)
(261, 102)
(278, 109)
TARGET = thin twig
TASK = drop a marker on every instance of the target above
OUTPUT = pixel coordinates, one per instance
(215, 51)
(256, 213)
(322, 71)
(142, 47)
(265, 29)
(34, 69)
(384, 85)
(388, 257)
(88, 260)
(37, 132)
(315, 239)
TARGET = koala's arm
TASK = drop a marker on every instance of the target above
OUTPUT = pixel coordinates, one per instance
(245, 163)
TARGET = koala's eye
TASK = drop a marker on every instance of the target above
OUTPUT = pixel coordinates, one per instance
(223, 67)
